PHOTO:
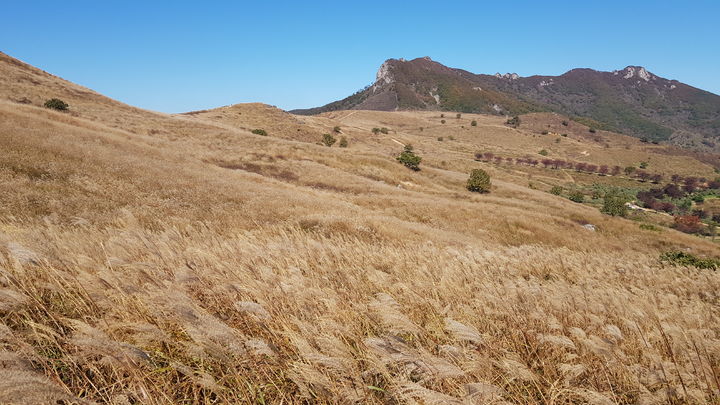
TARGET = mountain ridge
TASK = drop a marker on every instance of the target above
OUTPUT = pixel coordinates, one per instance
(632, 100)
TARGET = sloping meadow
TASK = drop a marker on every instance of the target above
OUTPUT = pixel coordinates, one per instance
(295, 315)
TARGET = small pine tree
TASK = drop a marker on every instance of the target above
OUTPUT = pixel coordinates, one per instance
(56, 104)
(328, 140)
(479, 181)
(409, 158)
(473, 123)
(614, 204)
(343, 142)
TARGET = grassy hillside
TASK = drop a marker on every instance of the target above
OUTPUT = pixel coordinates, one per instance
(149, 258)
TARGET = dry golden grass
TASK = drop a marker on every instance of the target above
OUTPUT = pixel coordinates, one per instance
(147, 258)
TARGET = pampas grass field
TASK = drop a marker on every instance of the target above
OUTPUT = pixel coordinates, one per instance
(180, 259)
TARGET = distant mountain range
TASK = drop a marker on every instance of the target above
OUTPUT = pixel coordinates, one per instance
(631, 101)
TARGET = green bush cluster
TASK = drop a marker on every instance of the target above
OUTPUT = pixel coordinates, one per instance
(328, 140)
(614, 204)
(56, 104)
(686, 259)
(577, 196)
(479, 181)
(259, 132)
(513, 122)
(409, 158)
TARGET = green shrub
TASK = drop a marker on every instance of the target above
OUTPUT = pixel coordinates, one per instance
(409, 158)
(565, 123)
(592, 130)
(563, 135)
(577, 196)
(452, 138)
(343, 142)
(687, 259)
(543, 152)
(556, 190)
(440, 138)
(259, 132)
(513, 122)
(376, 131)
(614, 204)
(458, 115)
(336, 130)
(684, 205)
(384, 130)
(442, 115)
(473, 123)
(56, 104)
(643, 165)
(442, 121)
(649, 227)
(328, 140)
(544, 132)
(479, 181)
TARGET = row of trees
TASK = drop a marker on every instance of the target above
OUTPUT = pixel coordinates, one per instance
(602, 170)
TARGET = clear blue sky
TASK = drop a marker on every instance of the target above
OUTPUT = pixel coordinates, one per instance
(181, 55)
